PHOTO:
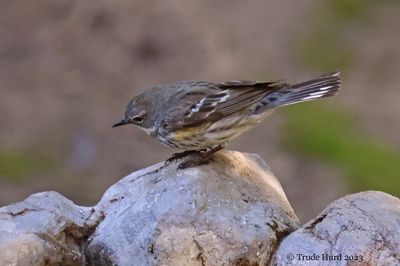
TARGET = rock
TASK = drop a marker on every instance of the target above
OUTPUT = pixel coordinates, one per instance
(45, 229)
(230, 212)
(359, 229)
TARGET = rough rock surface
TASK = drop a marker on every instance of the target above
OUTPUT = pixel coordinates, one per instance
(44, 229)
(230, 212)
(359, 229)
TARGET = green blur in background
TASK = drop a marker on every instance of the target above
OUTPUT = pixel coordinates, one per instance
(332, 133)
(333, 136)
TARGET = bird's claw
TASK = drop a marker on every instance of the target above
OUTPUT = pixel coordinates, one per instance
(194, 162)
(197, 157)
(176, 156)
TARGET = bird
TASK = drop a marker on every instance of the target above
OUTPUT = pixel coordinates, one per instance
(199, 118)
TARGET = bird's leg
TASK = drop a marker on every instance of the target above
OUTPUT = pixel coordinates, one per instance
(200, 157)
(213, 150)
(176, 156)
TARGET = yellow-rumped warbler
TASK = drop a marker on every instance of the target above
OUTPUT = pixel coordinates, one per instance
(200, 118)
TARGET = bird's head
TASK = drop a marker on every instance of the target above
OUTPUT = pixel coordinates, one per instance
(138, 112)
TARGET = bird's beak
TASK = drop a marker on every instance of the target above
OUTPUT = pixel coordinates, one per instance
(121, 123)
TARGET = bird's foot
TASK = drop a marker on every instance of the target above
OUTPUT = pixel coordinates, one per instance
(195, 160)
(198, 157)
(176, 156)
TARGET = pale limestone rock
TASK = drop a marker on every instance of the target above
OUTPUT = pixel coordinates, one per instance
(230, 212)
(44, 229)
(365, 226)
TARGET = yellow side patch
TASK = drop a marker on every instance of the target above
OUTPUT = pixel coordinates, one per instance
(189, 132)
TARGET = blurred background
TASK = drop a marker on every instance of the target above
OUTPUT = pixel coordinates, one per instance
(68, 69)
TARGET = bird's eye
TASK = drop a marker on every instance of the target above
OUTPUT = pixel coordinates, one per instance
(138, 119)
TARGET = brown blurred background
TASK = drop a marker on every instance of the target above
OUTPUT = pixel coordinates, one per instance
(68, 69)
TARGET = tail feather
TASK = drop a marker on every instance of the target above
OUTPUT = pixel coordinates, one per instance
(321, 87)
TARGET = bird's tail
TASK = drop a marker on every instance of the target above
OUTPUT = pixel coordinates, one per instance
(323, 86)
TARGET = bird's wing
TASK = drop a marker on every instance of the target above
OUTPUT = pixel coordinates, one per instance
(221, 100)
